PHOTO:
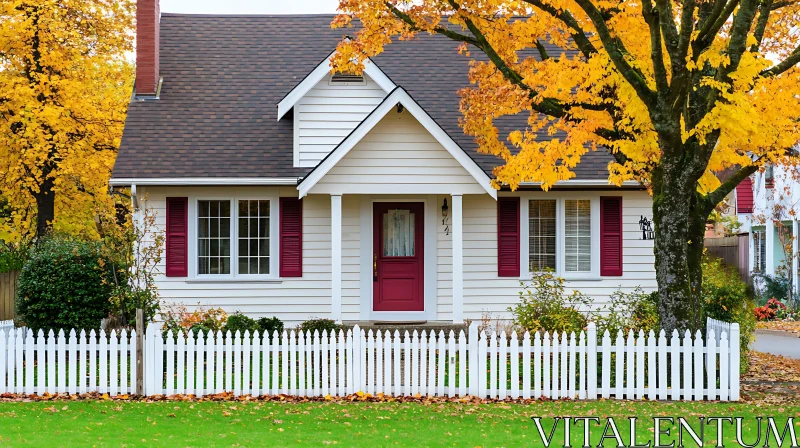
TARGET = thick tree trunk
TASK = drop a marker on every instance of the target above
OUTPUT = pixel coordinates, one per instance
(45, 208)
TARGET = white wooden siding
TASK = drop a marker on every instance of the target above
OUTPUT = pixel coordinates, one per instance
(297, 299)
(291, 299)
(327, 113)
(398, 153)
(484, 291)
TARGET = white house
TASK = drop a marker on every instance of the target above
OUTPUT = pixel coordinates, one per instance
(773, 219)
(286, 191)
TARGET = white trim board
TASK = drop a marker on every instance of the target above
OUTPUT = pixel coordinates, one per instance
(398, 96)
(316, 75)
(202, 181)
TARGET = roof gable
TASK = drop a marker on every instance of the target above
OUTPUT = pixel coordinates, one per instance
(397, 97)
(319, 72)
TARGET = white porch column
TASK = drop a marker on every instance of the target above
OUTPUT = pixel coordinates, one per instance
(336, 257)
(769, 235)
(458, 261)
(795, 228)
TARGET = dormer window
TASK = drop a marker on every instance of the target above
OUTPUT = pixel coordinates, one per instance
(347, 79)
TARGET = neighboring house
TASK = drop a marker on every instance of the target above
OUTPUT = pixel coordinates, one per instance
(286, 191)
(773, 221)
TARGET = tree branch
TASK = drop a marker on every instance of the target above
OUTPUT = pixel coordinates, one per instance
(651, 17)
(712, 26)
(616, 51)
(542, 50)
(716, 196)
(764, 9)
(784, 65)
(579, 35)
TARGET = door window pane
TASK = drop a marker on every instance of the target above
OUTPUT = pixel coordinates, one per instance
(253, 237)
(542, 235)
(577, 235)
(214, 241)
(398, 233)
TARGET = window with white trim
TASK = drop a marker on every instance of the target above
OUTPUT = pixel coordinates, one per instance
(759, 251)
(577, 235)
(560, 233)
(541, 235)
(253, 236)
(213, 237)
(234, 237)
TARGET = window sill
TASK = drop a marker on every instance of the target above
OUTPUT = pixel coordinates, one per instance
(573, 278)
(276, 281)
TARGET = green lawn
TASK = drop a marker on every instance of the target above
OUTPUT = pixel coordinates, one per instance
(178, 424)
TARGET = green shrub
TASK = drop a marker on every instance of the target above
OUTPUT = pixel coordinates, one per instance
(241, 323)
(319, 325)
(65, 283)
(269, 325)
(773, 287)
(12, 258)
(727, 298)
(545, 306)
(636, 310)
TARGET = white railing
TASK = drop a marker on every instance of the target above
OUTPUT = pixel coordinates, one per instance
(428, 363)
(6, 324)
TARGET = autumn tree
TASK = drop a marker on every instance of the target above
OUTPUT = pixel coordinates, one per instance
(64, 88)
(676, 91)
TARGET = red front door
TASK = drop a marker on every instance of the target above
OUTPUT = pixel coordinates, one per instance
(397, 270)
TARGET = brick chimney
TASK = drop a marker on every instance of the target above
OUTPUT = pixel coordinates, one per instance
(148, 15)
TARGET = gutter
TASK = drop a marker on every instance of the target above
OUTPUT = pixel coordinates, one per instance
(203, 181)
(584, 183)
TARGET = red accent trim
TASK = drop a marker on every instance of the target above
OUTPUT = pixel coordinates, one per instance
(744, 196)
(291, 237)
(508, 237)
(399, 284)
(177, 244)
(610, 236)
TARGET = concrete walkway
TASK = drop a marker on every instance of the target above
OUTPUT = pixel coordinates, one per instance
(777, 343)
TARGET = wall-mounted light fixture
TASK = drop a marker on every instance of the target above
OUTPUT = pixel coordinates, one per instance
(646, 226)
(445, 209)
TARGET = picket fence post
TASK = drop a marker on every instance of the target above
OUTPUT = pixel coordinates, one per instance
(473, 359)
(735, 363)
(591, 361)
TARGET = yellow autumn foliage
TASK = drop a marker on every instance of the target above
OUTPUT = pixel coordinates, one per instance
(617, 69)
(65, 83)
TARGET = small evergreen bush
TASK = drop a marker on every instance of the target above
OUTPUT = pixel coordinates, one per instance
(66, 283)
(269, 325)
(319, 325)
(241, 323)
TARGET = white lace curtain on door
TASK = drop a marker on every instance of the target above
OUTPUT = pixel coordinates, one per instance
(398, 233)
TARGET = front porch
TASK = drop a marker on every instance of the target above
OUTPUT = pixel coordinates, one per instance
(397, 286)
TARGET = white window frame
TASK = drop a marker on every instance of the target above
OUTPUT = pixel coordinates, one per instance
(274, 236)
(560, 197)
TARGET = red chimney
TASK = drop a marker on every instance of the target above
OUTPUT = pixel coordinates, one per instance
(148, 15)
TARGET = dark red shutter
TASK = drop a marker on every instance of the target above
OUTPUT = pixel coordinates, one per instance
(291, 237)
(610, 236)
(744, 196)
(508, 237)
(177, 244)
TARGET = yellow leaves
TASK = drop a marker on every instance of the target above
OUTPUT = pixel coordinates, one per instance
(63, 120)
(752, 116)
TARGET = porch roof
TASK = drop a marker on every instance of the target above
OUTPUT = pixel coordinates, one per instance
(397, 97)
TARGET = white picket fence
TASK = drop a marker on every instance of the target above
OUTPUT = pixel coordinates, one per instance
(6, 324)
(573, 366)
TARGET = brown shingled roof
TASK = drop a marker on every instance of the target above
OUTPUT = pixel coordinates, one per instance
(225, 74)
